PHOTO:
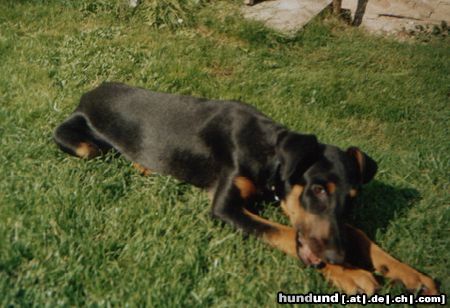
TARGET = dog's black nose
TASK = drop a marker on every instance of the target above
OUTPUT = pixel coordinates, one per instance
(333, 257)
(319, 265)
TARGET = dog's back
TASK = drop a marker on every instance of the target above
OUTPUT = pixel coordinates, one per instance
(187, 137)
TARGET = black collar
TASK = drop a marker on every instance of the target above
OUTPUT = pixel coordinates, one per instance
(274, 183)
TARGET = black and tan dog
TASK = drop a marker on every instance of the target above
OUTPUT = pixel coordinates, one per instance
(240, 156)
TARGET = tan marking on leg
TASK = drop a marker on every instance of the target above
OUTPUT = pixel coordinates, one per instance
(388, 266)
(351, 280)
(142, 170)
(384, 270)
(284, 239)
(360, 159)
(245, 186)
(278, 236)
(86, 150)
(353, 193)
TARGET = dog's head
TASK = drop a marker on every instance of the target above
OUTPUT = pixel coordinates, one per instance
(319, 183)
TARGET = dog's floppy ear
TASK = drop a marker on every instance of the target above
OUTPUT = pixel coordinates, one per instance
(296, 153)
(366, 166)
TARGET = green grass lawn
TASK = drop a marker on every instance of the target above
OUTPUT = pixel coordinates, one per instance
(75, 232)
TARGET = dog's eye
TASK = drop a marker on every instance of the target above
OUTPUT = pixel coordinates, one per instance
(318, 190)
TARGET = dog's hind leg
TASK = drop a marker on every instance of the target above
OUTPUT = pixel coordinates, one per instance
(142, 170)
(75, 137)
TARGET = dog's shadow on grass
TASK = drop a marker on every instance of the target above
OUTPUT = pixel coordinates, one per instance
(378, 204)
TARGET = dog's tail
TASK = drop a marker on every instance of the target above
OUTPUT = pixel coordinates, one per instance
(74, 136)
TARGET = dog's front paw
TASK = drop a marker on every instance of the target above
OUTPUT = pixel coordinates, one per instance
(411, 279)
(350, 280)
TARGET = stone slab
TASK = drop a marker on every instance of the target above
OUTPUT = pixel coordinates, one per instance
(286, 16)
(392, 16)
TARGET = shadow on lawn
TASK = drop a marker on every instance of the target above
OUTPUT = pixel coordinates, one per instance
(378, 204)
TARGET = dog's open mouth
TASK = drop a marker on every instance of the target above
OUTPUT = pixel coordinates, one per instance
(307, 255)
